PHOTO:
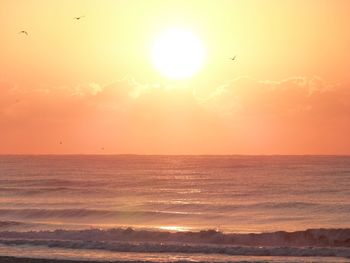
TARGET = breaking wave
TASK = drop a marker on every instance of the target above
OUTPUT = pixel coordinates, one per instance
(312, 242)
(178, 248)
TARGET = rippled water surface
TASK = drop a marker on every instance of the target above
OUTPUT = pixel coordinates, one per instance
(232, 194)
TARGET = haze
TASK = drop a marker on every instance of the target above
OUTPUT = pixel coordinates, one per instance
(88, 86)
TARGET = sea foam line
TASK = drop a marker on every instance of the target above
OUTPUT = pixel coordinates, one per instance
(185, 248)
(310, 237)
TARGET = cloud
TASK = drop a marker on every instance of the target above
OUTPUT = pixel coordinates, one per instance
(244, 96)
(288, 98)
(294, 115)
(87, 89)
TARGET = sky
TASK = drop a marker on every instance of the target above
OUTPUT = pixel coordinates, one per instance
(89, 86)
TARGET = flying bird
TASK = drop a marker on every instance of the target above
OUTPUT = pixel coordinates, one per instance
(78, 17)
(23, 32)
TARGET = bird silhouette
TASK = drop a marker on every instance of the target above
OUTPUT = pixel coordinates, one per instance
(78, 17)
(23, 32)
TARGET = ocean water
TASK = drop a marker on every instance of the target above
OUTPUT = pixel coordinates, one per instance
(198, 207)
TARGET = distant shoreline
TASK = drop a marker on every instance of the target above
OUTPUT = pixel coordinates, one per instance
(171, 155)
(5, 259)
(8, 259)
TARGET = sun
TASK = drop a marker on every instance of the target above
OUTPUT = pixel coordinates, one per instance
(178, 53)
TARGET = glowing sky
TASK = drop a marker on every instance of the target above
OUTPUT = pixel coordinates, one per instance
(90, 84)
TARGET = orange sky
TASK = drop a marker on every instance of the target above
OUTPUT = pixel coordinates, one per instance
(91, 83)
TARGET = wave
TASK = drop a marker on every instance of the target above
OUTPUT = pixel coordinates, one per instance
(10, 224)
(178, 248)
(49, 191)
(165, 209)
(310, 237)
(249, 206)
(88, 214)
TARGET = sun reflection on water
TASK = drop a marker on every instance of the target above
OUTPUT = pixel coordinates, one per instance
(174, 228)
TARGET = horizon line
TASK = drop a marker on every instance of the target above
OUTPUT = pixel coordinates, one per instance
(140, 154)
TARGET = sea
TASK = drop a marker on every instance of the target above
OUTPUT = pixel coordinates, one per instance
(163, 208)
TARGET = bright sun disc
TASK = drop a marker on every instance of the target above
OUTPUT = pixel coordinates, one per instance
(178, 54)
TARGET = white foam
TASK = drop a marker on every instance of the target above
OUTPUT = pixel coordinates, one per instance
(314, 242)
